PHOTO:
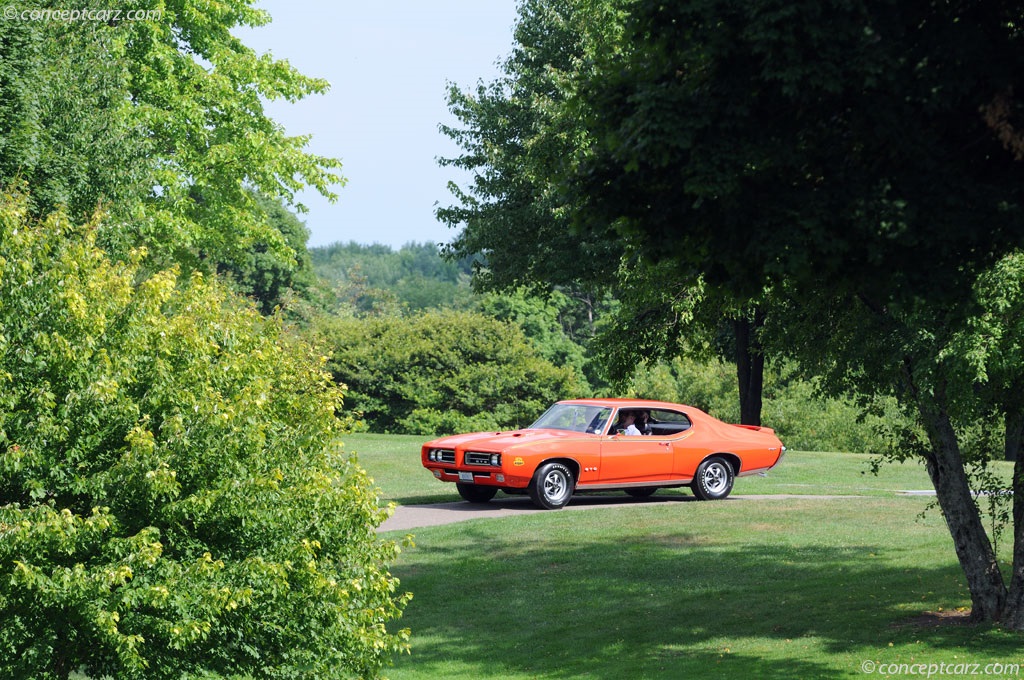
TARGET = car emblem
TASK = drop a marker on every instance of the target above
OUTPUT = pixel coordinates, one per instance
(518, 461)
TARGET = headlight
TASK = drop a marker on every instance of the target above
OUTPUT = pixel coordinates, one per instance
(496, 459)
(441, 455)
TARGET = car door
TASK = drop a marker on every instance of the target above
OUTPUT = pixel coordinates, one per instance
(631, 458)
(678, 430)
(688, 447)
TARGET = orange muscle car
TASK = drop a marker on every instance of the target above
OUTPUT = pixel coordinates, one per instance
(634, 445)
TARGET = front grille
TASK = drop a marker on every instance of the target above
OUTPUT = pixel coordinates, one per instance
(447, 455)
(474, 458)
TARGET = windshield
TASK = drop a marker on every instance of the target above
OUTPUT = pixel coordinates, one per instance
(574, 417)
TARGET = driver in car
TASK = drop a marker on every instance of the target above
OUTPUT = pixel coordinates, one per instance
(627, 424)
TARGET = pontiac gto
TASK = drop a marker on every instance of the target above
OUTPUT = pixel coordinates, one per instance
(634, 445)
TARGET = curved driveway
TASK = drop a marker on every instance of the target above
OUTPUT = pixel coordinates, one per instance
(408, 517)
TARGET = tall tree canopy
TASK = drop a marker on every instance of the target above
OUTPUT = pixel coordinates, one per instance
(516, 135)
(521, 135)
(161, 121)
(843, 143)
(858, 160)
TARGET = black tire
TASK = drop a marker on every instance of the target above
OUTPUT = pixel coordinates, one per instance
(641, 491)
(552, 486)
(476, 494)
(714, 479)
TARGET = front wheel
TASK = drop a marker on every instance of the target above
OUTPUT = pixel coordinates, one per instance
(476, 494)
(552, 486)
(714, 480)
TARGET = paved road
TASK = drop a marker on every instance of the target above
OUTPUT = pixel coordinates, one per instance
(408, 517)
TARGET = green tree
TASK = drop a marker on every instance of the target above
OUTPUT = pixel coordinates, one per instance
(516, 135)
(853, 159)
(173, 497)
(18, 110)
(442, 371)
(520, 135)
(162, 122)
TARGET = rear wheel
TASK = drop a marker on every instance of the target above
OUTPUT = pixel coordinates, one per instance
(476, 494)
(714, 479)
(552, 486)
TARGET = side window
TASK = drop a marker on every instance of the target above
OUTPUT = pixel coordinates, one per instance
(665, 422)
(599, 421)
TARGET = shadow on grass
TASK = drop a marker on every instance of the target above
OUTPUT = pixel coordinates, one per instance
(670, 605)
(583, 498)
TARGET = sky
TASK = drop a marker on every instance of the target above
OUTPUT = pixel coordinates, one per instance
(388, 65)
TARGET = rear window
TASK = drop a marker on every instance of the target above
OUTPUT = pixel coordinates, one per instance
(668, 422)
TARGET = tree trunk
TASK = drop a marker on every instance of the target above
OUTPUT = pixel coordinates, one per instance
(749, 367)
(1013, 616)
(973, 547)
(1014, 428)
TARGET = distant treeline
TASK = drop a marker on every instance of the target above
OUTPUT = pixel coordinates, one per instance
(416, 274)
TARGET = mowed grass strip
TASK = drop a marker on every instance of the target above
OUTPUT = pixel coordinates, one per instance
(778, 588)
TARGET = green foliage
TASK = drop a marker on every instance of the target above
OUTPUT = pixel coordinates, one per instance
(262, 274)
(857, 160)
(540, 318)
(709, 386)
(415, 277)
(173, 498)
(659, 318)
(991, 347)
(19, 112)
(522, 135)
(802, 140)
(516, 135)
(163, 122)
(442, 371)
(70, 134)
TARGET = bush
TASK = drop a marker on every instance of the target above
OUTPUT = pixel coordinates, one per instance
(173, 499)
(443, 371)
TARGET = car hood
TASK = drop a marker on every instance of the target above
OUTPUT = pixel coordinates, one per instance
(497, 441)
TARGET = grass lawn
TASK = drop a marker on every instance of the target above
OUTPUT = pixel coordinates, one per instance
(778, 588)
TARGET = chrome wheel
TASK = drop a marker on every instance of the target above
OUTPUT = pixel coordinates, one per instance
(552, 486)
(714, 479)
